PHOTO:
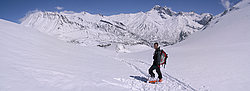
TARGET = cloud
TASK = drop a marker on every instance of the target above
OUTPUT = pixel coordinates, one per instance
(59, 8)
(226, 4)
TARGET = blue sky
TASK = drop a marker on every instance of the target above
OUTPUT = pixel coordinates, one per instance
(13, 10)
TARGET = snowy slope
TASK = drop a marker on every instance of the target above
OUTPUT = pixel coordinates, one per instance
(216, 58)
(33, 61)
(159, 24)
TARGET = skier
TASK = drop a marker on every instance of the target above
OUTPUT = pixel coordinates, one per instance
(156, 65)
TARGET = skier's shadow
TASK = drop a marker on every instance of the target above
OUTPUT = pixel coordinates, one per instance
(140, 78)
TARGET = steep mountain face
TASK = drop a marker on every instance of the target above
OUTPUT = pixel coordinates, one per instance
(160, 24)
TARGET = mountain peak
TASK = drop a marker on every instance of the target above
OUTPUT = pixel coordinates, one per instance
(158, 7)
(164, 10)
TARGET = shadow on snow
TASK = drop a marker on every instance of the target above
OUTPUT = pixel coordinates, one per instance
(140, 78)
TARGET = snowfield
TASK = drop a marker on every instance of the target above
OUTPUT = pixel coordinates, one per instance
(33, 61)
(215, 59)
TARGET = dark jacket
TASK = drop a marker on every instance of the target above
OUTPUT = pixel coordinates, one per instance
(157, 56)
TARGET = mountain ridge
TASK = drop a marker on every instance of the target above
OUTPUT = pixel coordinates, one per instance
(160, 24)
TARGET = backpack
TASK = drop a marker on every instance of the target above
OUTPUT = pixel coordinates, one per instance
(164, 57)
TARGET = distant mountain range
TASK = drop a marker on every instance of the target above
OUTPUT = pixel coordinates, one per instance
(160, 24)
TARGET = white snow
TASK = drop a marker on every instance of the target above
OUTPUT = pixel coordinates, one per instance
(160, 24)
(218, 57)
(215, 59)
(33, 61)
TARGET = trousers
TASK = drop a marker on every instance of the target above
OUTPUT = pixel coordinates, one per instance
(158, 71)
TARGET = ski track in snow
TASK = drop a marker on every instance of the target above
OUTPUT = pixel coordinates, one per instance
(136, 82)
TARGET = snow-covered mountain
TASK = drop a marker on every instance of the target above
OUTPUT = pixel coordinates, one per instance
(160, 24)
(216, 59)
(33, 61)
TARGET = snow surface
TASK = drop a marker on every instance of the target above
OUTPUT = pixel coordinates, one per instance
(215, 59)
(33, 61)
(219, 56)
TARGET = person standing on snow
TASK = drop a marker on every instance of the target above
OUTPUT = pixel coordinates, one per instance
(156, 64)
